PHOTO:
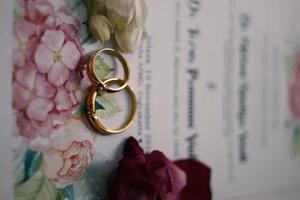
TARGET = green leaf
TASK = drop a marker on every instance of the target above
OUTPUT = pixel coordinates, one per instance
(101, 68)
(81, 111)
(66, 193)
(99, 106)
(18, 10)
(32, 163)
(37, 187)
(110, 105)
(296, 141)
(290, 65)
(19, 162)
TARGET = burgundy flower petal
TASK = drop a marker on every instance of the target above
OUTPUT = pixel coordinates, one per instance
(131, 184)
(164, 174)
(154, 176)
(198, 181)
(133, 151)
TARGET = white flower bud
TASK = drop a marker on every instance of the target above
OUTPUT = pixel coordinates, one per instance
(129, 38)
(128, 18)
(100, 27)
(121, 13)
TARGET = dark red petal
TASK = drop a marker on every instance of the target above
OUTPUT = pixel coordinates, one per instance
(133, 150)
(165, 176)
(131, 184)
(198, 181)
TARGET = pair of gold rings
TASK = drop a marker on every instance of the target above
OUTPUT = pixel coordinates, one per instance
(102, 87)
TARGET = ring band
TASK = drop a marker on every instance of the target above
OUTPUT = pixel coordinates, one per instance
(97, 81)
(91, 109)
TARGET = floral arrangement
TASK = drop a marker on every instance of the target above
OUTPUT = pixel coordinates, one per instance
(49, 86)
(57, 158)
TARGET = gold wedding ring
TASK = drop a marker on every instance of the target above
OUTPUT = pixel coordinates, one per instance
(92, 115)
(97, 82)
(103, 87)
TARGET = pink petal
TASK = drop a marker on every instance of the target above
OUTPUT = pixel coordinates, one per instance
(24, 29)
(52, 163)
(26, 77)
(40, 29)
(51, 21)
(66, 19)
(58, 74)
(61, 5)
(43, 58)
(59, 118)
(18, 58)
(62, 100)
(30, 49)
(38, 109)
(53, 39)
(43, 128)
(294, 99)
(65, 168)
(72, 130)
(43, 88)
(25, 126)
(72, 151)
(38, 11)
(73, 98)
(297, 58)
(70, 32)
(71, 55)
(44, 8)
(40, 144)
(73, 82)
(21, 96)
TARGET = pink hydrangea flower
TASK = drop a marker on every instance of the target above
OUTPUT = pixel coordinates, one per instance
(45, 77)
(38, 10)
(24, 42)
(42, 11)
(41, 104)
(56, 56)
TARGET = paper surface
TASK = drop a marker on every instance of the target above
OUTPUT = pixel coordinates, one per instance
(214, 81)
(225, 96)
